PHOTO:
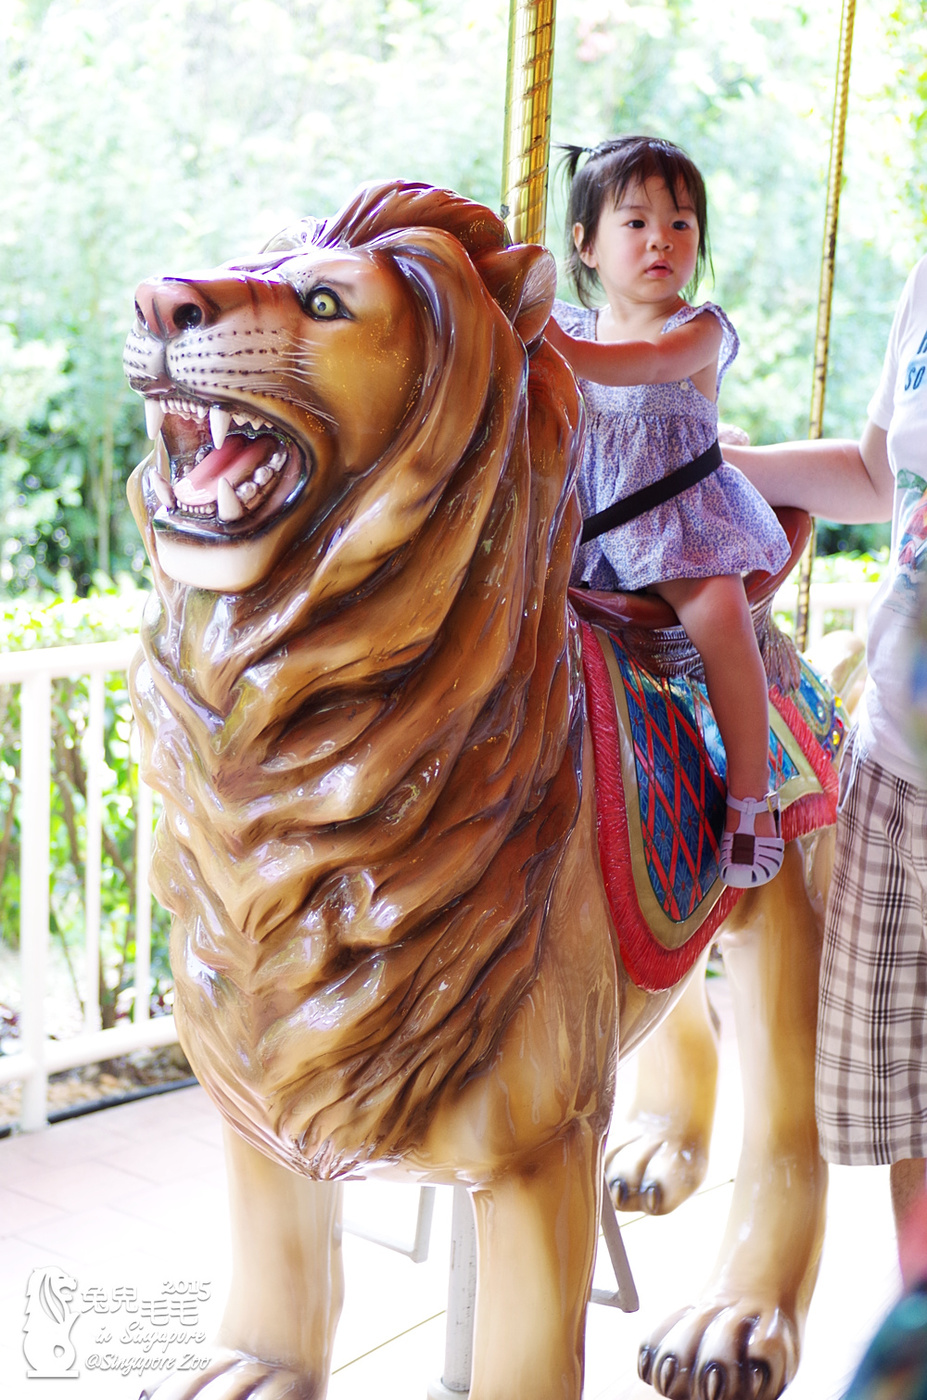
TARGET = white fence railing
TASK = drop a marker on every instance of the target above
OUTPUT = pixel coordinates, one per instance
(830, 604)
(38, 1055)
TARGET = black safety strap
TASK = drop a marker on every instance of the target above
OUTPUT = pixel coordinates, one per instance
(629, 507)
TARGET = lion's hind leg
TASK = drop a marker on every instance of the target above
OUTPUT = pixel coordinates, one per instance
(287, 1287)
(742, 1339)
(661, 1152)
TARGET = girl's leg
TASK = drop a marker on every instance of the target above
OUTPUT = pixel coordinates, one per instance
(717, 620)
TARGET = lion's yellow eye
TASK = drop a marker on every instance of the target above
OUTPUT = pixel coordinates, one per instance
(324, 305)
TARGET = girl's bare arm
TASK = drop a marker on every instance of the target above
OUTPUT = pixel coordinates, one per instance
(847, 481)
(676, 355)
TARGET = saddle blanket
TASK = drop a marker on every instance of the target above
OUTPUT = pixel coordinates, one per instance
(660, 798)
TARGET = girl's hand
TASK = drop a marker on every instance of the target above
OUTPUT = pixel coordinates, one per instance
(729, 435)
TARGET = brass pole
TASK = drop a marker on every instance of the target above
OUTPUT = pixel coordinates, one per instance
(826, 291)
(526, 148)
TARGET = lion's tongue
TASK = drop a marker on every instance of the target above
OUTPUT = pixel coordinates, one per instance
(235, 460)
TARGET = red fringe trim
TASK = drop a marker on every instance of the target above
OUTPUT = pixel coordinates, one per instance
(649, 964)
(817, 809)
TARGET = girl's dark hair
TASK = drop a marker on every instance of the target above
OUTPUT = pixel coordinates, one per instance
(611, 167)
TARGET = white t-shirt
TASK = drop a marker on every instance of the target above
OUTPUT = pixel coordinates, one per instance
(900, 406)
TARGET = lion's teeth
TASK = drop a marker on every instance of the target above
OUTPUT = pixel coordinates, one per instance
(185, 408)
(162, 460)
(277, 461)
(263, 475)
(246, 491)
(220, 421)
(162, 490)
(228, 505)
(154, 417)
(250, 420)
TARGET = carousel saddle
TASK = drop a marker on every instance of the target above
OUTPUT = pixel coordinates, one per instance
(639, 615)
(660, 767)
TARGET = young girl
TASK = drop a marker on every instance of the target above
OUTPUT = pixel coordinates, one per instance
(650, 366)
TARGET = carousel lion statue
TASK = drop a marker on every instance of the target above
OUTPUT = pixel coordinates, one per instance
(364, 698)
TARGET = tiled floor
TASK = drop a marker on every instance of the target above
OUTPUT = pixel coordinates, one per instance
(130, 1203)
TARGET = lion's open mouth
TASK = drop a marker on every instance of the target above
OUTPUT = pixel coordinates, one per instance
(219, 472)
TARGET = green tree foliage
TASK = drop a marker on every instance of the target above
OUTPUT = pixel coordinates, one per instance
(136, 139)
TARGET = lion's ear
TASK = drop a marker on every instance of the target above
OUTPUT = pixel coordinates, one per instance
(523, 280)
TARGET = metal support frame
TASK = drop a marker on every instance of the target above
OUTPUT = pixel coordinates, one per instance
(461, 1303)
(417, 1250)
(625, 1295)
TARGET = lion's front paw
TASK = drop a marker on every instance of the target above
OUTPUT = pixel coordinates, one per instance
(235, 1378)
(656, 1171)
(724, 1352)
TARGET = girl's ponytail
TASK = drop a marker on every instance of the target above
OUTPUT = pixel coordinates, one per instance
(569, 162)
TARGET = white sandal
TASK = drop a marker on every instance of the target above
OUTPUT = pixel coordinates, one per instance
(748, 860)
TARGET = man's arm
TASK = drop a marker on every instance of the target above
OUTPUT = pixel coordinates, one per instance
(845, 481)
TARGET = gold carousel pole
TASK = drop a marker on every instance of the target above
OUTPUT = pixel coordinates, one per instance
(526, 149)
(825, 294)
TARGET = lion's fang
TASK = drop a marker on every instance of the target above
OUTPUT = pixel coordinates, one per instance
(219, 422)
(162, 460)
(162, 490)
(154, 417)
(228, 506)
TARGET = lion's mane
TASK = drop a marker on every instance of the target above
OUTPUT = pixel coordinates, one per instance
(370, 762)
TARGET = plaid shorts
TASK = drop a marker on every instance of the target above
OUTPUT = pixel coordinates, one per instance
(871, 1074)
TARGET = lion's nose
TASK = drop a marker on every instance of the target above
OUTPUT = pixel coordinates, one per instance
(167, 308)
